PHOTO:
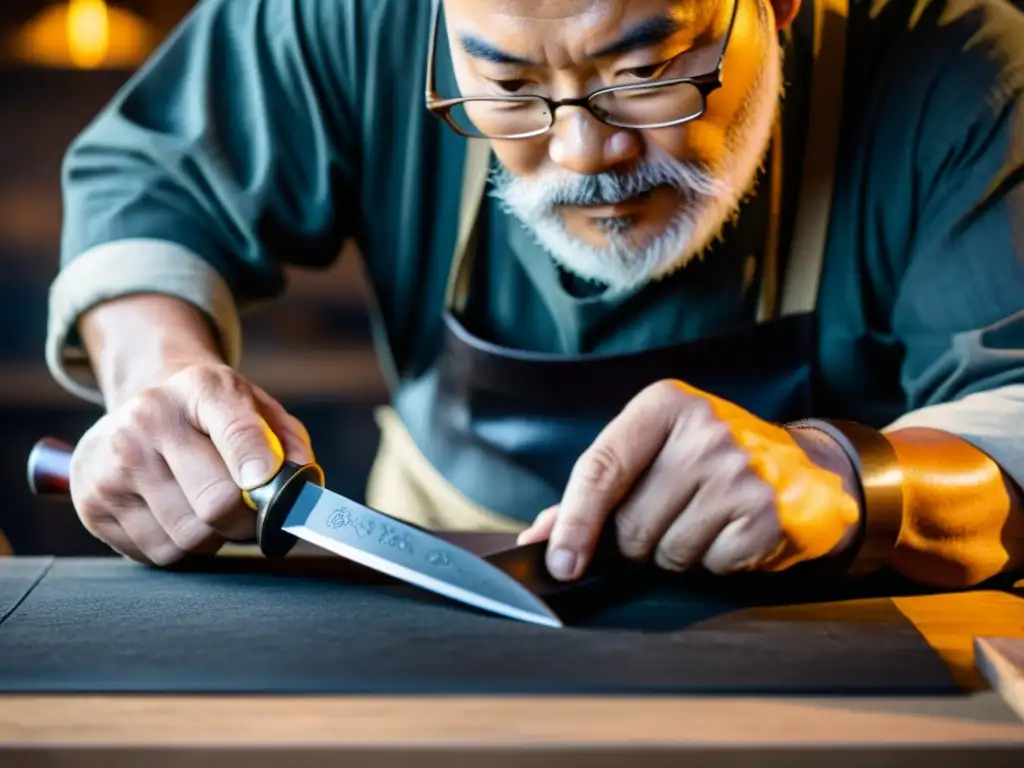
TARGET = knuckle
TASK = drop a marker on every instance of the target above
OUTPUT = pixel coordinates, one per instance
(95, 518)
(751, 494)
(665, 393)
(216, 380)
(215, 500)
(149, 411)
(733, 466)
(656, 400)
(635, 539)
(702, 411)
(125, 451)
(601, 468)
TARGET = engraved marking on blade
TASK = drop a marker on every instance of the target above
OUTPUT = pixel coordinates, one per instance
(364, 527)
(392, 537)
(343, 517)
(439, 557)
(339, 518)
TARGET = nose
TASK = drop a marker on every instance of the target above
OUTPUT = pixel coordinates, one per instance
(583, 144)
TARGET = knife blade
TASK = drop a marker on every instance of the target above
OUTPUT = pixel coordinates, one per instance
(296, 505)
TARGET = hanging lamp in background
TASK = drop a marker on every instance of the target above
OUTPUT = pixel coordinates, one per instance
(83, 34)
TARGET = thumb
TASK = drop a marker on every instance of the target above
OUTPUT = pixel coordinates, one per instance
(251, 451)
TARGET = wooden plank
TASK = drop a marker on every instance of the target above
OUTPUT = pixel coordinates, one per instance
(378, 721)
(1001, 661)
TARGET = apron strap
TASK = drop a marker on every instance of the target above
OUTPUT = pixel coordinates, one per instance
(810, 230)
(768, 299)
(474, 180)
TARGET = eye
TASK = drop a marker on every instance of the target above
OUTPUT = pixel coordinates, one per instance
(511, 86)
(648, 72)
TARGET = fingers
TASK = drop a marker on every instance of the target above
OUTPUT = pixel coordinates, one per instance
(199, 497)
(606, 472)
(110, 532)
(185, 532)
(221, 405)
(160, 477)
(541, 527)
(717, 504)
(743, 544)
(131, 530)
(668, 487)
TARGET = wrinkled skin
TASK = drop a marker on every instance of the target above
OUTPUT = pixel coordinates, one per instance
(159, 476)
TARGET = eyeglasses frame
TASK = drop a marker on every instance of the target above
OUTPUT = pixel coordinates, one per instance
(706, 84)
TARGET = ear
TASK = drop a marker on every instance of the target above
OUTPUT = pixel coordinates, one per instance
(785, 11)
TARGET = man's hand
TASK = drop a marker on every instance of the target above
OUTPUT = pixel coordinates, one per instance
(162, 474)
(692, 479)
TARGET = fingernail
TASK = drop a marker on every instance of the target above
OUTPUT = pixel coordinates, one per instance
(562, 564)
(255, 472)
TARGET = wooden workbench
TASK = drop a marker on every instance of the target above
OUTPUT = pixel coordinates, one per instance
(976, 728)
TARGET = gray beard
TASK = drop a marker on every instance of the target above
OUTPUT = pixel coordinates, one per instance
(629, 259)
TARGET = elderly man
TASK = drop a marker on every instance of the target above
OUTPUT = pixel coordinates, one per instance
(743, 279)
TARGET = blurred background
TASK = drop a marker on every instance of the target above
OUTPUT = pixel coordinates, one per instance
(59, 63)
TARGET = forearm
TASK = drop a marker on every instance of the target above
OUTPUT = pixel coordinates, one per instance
(963, 517)
(136, 341)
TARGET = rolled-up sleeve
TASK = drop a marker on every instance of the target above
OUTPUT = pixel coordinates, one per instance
(228, 155)
(960, 309)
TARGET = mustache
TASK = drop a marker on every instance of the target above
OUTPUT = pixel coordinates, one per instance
(543, 194)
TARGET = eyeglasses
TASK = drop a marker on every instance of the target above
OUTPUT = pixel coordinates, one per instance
(634, 106)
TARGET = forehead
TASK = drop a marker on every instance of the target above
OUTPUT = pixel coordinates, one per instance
(545, 27)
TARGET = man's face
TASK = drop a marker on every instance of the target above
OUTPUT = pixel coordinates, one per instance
(622, 206)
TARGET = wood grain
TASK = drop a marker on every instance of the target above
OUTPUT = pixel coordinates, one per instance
(500, 721)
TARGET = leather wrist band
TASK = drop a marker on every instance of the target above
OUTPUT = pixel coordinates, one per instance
(880, 480)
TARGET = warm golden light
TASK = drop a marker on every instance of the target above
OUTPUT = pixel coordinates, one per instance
(83, 34)
(88, 31)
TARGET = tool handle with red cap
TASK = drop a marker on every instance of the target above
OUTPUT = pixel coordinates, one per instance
(49, 475)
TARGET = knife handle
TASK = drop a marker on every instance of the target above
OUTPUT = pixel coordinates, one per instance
(49, 467)
(49, 472)
(273, 501)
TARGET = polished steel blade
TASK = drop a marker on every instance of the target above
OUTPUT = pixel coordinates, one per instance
(390, 546)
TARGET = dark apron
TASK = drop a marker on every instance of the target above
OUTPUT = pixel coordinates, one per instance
(503, 427)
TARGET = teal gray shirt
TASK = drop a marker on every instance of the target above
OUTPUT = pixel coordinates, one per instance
(267, 132)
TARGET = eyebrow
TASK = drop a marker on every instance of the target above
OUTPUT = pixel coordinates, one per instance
(650, 31)
(481, 49)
